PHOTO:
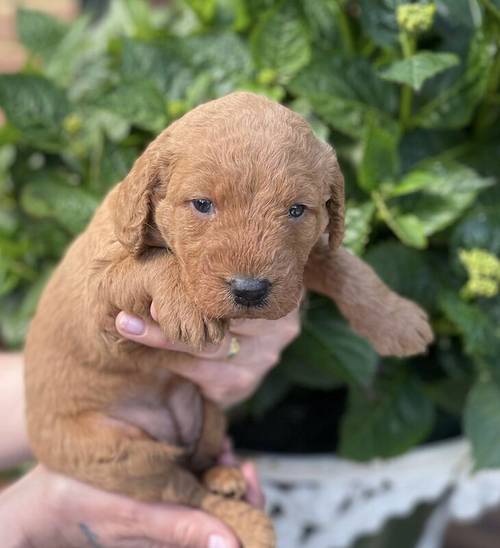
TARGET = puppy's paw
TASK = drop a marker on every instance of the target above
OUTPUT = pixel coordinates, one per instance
(403, 330)
(226, 481)
(184, 322)
(253, 527)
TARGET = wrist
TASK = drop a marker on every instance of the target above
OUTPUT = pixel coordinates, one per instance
(14, 445)
(24, 509)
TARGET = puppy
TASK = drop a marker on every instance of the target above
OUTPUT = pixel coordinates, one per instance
(222, 217)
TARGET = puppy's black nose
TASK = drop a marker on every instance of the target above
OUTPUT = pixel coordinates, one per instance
(249, 291)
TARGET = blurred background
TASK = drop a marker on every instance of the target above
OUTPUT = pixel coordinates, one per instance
(409, 95)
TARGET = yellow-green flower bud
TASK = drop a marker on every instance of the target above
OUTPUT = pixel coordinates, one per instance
(415, 18)
(266, 76)
(483, 270)
(176, 108)
(72, 123)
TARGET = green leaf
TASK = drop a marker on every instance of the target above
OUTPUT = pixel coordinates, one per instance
(225, 53)
(407, 271)
(48, 196)
(116, 162)
(164, 65)
(407, 227)
(358, 226)
(204, 9)
(221, 59)
(39, 32)
(482, 423)
(395, 418)
(437, 193)
(329, 352)
(323, 20)
(347, 93)
(463, 13)
(449, 394)
(455, 105)
(72, 63)
(139, 103)
(304, 108)
(378, 20)
(271, 391)
(305, 363)
(418, 68)
(13, 269)
(17, 310)
(136, 18)
(481, 229)
(34, 106)
(480, 335)
(410, 230)
(380, 159)
(280, 41)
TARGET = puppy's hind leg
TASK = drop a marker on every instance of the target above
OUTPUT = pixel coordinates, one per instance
(117, 457)
(123, 459)
(226, 484)
(223, 480)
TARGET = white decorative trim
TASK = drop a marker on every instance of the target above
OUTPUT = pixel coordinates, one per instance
(327, 502)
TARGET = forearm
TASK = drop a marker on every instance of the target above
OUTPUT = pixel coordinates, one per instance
(392, 324)
(14, 446)
(11, 535)
(346, 279)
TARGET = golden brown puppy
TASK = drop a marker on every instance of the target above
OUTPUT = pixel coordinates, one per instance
(221, 217)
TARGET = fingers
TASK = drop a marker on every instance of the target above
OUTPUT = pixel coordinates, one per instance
(227, 456)
(150, 334)
(181, 527)
(287, 327)
(255, 495)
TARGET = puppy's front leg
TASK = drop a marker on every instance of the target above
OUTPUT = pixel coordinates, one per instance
(393, 325)
(177, 314)
(133, 283)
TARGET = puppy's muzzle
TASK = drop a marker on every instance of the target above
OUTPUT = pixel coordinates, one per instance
(249, 291)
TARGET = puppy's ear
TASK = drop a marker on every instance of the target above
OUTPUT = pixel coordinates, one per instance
(336, 202)
(134, 199)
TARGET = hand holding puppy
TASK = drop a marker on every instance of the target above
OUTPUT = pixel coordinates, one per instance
(224, 380)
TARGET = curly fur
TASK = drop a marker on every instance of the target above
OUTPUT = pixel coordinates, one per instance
(113, 413)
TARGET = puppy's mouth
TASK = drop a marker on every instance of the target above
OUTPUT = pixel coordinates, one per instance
(249, 306)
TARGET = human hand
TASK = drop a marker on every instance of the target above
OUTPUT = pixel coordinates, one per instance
(47, 509)
(222, 379)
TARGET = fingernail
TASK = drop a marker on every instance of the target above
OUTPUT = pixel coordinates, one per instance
(216, 541)
(132, 325)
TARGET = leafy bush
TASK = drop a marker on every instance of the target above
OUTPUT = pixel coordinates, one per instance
(410, 96)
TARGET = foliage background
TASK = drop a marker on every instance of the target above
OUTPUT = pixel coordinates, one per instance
(409, 96)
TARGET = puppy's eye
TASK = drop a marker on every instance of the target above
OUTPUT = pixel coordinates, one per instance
(203, 205)
(297, 210)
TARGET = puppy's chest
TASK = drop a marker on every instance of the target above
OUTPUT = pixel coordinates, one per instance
(166, 407)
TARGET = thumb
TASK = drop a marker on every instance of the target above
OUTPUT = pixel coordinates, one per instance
(179, 527)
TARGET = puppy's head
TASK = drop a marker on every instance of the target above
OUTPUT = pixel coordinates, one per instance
(240, 190)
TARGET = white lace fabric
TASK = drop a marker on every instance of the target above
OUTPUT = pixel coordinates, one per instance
(327, 502)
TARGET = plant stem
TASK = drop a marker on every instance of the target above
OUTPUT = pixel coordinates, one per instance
(489, 6)
(484, 117)
(405, 108)
(345, 32)
(382, 208)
